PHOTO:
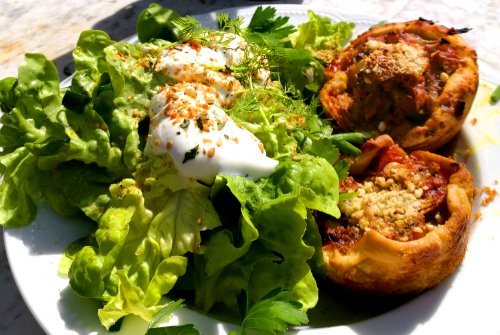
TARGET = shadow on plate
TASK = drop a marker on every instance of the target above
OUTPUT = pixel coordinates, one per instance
(51, 233)
(337, 307)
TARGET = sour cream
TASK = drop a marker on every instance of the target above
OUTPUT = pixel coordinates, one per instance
(201, 138)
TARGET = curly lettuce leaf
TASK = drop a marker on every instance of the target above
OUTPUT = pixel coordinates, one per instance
(32, 103)
(89, 51)
(313, 180)
(138, 251)
(35, 127)
(270, 262)
(123, 264)
(17, 207)
(324, 38)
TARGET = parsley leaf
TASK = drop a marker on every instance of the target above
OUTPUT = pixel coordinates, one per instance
(186, 329)
(272, 314)
(265, 21)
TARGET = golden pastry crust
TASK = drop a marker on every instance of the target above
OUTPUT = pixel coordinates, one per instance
(414, 80)
(409, 252)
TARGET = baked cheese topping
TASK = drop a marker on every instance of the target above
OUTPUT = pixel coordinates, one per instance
(401, 201)
(384, 206)
(398, 60)
(187, 119)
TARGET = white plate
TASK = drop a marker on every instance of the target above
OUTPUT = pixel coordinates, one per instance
(466, 303)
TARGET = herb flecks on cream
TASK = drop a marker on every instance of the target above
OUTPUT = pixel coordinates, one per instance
(187, 119)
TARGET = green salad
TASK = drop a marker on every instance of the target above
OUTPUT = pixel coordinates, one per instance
(163, 239)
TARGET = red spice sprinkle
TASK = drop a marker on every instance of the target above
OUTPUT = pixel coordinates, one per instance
(194, 44)
(170, 143)
(261, 147)
(157, 143)
(211, 152)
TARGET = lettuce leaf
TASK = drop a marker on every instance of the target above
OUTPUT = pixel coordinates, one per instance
(37, 139)
(134, 82)
(271, 241)
(158, 22)
(94, 122)
(140, 247)
(322, 36)
(17, 207)
(89, 52)
(313, 180)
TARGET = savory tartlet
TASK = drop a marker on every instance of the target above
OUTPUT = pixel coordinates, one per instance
(406, 229)
(414, 80)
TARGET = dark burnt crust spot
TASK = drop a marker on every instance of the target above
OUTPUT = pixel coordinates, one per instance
(425, 20)
(453, 31)
(459, 108)
(443, 41)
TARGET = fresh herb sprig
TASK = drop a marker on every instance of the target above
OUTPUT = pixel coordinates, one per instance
(272, 314)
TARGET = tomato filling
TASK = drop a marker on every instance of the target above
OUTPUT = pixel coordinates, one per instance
(401, 196)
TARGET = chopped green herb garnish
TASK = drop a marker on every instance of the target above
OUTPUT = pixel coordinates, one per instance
(191, 154)
(199, 123)
(221, 125)
(228, 24)
(185, 124)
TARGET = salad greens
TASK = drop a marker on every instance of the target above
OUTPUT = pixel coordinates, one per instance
(252, 246)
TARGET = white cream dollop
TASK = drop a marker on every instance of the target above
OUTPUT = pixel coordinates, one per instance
(187, 119)
(201, 138)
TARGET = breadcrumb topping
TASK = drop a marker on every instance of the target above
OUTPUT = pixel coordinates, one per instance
(387, 61)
